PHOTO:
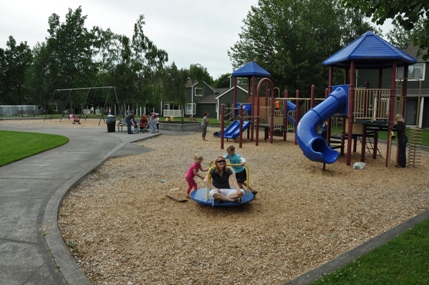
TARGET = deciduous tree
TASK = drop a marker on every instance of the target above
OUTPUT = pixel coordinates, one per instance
(290, 39)
(224, 81)
(14, 61)
(406, 14)
(71, 52)
(130, 64)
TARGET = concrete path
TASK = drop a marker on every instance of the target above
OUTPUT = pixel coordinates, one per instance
(31, 248)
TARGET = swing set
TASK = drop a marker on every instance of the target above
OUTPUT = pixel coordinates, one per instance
(64, 98)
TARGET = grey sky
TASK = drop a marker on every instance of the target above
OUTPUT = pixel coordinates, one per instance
(191, 31)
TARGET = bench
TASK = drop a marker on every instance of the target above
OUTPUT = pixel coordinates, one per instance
(27, 112)
(121, 123)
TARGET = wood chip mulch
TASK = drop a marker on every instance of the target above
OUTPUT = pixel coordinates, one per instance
(124, 230)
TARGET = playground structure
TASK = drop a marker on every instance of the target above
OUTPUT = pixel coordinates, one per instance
(202, 196)
(375, 110)
(371, 108)
(274, 115)
(363, 112)
(237, 127)
(82, 100)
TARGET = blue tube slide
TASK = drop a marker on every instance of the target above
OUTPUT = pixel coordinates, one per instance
(314, 147)
(290, 107)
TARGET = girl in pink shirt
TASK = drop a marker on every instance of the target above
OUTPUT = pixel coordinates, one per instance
(192, 172)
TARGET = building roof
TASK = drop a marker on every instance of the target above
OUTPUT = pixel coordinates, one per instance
(413, 51)
(369, 51)
(208, 99)
(251, 69)
(227, 90)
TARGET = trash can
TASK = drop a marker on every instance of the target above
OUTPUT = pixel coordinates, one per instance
(111, 121)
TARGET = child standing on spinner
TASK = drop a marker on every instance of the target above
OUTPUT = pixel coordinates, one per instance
(240, 171)
(192, 172)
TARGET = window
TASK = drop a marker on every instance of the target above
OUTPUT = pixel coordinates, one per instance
(198, 92)
(190, 109)
(415, 72)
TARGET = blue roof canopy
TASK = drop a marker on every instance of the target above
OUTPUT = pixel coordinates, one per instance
(251, 69)
(369, 51)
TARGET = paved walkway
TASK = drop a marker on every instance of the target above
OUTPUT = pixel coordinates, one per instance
(31, 190)
(31, 248)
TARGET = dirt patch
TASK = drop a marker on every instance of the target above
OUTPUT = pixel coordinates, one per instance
(124, 230)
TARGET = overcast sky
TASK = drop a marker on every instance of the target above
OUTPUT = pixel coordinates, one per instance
(191, 31)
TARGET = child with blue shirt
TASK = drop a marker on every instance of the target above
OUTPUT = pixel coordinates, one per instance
(240, 171)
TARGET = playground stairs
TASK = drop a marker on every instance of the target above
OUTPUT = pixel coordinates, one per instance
(335, 141)
(369, 144)
(414, 155)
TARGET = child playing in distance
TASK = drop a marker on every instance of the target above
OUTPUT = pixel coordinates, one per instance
(192, 172)
(240, 171)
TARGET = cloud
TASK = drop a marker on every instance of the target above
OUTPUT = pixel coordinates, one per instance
(191, 31)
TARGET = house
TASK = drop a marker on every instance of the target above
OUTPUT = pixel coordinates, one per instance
(227, 98)
(199, 98)
(213, 101)
(202, 99)
(205, 98)
(417, 112)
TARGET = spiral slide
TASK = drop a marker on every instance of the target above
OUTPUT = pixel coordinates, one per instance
(314, 147)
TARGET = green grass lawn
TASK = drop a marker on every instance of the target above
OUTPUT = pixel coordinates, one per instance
(383, 135)
(403, 260)
(18, 145)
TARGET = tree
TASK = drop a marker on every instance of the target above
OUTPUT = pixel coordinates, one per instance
(224, 81)
(401, 38)
(38, 80)
(15, 60)
(70, 47)
(3, 78)
(403, 13)
(199, 73)
(290, 39)
(355, 25)
(131, 65)
(173, 83)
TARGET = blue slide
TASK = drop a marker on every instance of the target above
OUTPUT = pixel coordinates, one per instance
(233, 130)
(314, 147)
(290, 107)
